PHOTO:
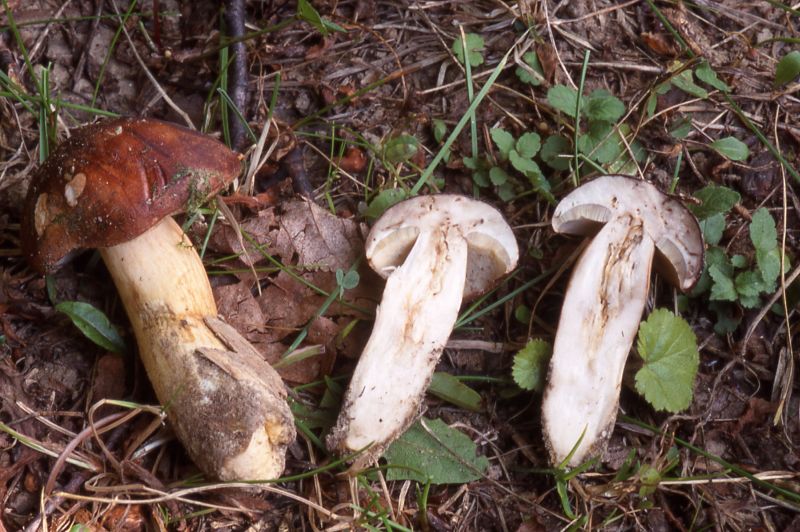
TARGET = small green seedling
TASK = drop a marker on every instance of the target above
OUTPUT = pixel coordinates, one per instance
(440, 135)
(684, 80)
(735, 279)
(731, 148)
(307, 13)
(474, 45)
(94, 324)
(400, 149)
(788, 68)
(533, 74)
(600, 140)
(517, 154)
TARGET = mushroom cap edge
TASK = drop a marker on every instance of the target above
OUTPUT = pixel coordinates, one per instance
(674, 229)
(492, 247)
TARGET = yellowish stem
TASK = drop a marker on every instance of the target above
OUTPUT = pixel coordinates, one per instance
(226, 404)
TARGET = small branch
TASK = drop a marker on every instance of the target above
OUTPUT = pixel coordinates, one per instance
(237, 76)
(296, 168)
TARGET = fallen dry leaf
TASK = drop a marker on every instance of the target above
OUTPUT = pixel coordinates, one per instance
(236, 303)
(313, 244)
(548, 59)
(256, 202)
(353, 160)
(758, 412)
(318, 50)
(108, 382)
(660, 43)
(126, 518)
(320, 240)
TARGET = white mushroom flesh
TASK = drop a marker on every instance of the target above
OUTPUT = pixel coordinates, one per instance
(599, 320)
(412, 324)
(434, 251)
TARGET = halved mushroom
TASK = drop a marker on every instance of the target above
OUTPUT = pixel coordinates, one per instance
(605, 300)
(113, 185)
(435, 251)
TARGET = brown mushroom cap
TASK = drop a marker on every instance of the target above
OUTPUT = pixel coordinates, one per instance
(673, 228)
(113, 180)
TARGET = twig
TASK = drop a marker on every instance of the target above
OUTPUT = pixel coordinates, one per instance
(237, 76)
(72, 445)
(149, 74)
(74, 484)
(296, 168)
(77, 479)
(78, 72)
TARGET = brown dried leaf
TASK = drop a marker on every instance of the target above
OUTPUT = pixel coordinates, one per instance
(318, 239)
(235, 303)
(261, 228)
(353, 160)
(287, 305)
(313, 244)
(660, 43)
(548, 59)
(108, 382)
(759, 412)
(125, 518)
(257, 202)
(318, 50)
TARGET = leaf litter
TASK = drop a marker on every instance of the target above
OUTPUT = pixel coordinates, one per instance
(310, 244)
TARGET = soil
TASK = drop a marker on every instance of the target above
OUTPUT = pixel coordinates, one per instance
(355, 100)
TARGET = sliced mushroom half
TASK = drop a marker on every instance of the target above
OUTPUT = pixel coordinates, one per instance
(605, 299)
(435, 251)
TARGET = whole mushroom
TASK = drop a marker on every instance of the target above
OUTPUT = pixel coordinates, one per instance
(605, 299)
(435, 252)
(113, 186)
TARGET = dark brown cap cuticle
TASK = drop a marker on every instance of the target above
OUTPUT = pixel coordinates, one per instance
(113, 180)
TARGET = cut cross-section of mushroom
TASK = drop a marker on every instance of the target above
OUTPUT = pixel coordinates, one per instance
(113, 186)
(605, 300)
(435, 251)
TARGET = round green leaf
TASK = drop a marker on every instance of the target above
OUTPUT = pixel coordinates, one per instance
(732, 148)
(528, 144)
(473, 44)
(788, 68)
(498, 176)
(503, 140)
(563, 98)
(530, 365)
(668, 347)
(384, 200)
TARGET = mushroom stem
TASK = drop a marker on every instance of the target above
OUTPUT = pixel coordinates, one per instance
(599, 320)
(226, 404)
(412, 324)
